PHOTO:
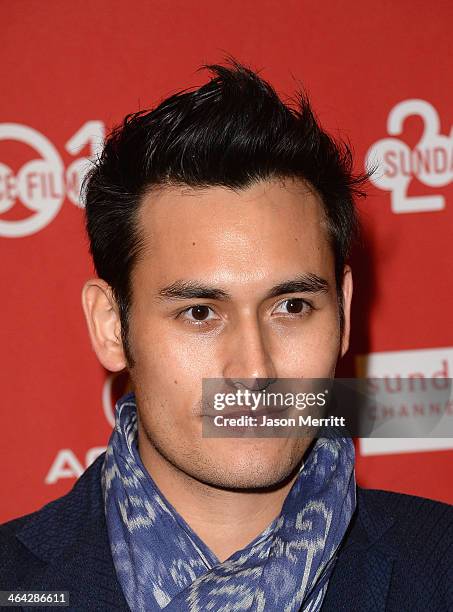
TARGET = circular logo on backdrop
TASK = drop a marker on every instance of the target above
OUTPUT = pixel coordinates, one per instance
(397, 164)
(38, 184)
(42, 184)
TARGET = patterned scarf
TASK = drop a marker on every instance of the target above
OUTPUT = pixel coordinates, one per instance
(162, 564)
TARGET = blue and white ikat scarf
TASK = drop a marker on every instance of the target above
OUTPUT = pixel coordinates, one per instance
(162, 564)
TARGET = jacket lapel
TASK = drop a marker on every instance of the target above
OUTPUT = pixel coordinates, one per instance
(362, 575)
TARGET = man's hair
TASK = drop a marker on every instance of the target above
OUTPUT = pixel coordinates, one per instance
(232, 131)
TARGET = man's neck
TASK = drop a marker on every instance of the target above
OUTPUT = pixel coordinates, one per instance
(225, 520)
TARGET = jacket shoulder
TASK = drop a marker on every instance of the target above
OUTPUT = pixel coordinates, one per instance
(396, 499)
(28, 542)
(420, 529)
(420, 541)
(16, 561)
(397, 555)
(413, 516)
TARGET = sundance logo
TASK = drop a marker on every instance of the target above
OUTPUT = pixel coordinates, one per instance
(430, 161)
(417, 368)
(42, 183)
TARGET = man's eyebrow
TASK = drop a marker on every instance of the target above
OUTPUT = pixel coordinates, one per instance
(304, 283)
(189, 290)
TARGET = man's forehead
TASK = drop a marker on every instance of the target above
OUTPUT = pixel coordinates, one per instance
(268, 210)
(238, 241)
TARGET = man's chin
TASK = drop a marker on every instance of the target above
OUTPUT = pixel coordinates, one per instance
(249, 468)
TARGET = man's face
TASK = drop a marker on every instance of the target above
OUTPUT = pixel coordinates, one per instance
(205, 305)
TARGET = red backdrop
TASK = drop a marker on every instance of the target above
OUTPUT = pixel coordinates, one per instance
(378, 74)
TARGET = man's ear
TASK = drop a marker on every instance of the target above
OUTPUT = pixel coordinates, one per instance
(347, 297)
(104, 326)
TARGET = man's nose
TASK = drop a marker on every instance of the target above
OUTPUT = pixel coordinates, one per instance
(249, 362)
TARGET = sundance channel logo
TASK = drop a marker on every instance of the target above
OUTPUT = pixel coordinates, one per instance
(370, 408)
(407, 377)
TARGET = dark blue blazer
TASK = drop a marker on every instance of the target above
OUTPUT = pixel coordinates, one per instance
(397, 555)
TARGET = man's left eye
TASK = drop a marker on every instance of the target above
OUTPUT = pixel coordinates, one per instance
(198, 314)
(293, 306)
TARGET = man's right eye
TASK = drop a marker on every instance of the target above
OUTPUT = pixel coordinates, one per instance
(198, 314)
